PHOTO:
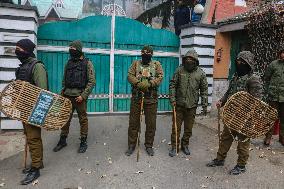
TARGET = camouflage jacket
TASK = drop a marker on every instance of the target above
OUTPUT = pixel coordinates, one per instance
(250, 83)
(81, 92)
(186, 87)
(153, 73)
(274, 81)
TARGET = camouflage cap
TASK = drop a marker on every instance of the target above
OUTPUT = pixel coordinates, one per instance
(147, 48)
(77, 44)
(248, 57)
(191, 53)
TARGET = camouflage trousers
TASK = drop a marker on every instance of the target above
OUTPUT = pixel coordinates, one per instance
(279, 106)
(226, 143)
(81, 109)
(150, 111)
(186, 115)
(34, 141)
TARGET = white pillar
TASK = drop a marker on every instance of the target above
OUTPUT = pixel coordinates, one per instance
(16, 22)
(111, 84)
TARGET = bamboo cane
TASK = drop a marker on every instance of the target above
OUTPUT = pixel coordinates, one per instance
(25, 153)
(175, 125)
(139, 129)
(219, 125)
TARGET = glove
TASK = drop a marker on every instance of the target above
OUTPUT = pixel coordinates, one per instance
(143, 86)
(219, 104)
(204, 110)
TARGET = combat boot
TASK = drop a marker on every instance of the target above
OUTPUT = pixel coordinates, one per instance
(31, 176)
(215, 163)
(150, 151)
(29, 169)
(172, 152)
(185, 150)
(61, 144)
(238, 170)
(83, 145)
(130, 150)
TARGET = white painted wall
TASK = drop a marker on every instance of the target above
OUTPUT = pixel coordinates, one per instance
(200, 51)
(19, 12)
(9, 63)
(8, 59)
(198, 30)
(198, 40)
(14, 37)
(18, 24)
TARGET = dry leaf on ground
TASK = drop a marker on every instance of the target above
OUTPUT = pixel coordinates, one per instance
(103, 176)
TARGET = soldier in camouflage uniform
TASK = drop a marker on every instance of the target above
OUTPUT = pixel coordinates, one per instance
(274, 88)
(243, 80)
(32, 71)
(188, 83)
(77, 84)
(145, 77)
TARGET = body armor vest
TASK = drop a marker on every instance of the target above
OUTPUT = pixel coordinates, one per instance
(25, 71)
(146, 72)
(76, 74)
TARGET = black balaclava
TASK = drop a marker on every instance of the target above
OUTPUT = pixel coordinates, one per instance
(189, 64)
(146, 57)
(243, 68)
(28, 46)
(76, 54)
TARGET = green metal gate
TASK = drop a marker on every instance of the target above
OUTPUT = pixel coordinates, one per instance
(112, 91)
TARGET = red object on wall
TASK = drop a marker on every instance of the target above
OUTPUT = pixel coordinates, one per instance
(276, 127)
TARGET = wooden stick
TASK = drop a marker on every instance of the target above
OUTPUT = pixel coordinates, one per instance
(26, 152)
(219, 125)
(139, 129)
(175, 125)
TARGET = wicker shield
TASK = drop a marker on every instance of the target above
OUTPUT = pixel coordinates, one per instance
(32, 105)
(248, 115)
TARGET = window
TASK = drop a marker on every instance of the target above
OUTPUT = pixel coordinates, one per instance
(240, 3)
(59, 4)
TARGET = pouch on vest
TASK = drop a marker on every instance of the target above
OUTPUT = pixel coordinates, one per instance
(76, 74)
